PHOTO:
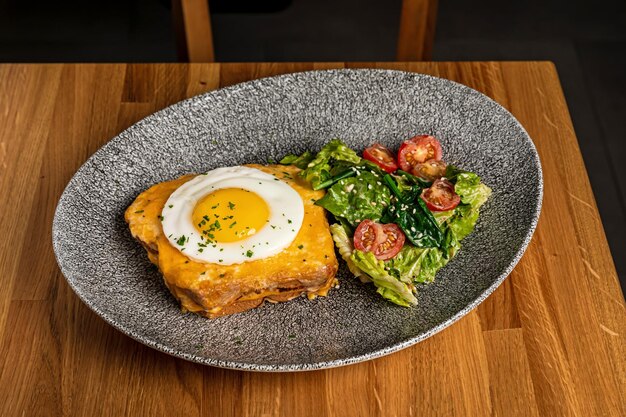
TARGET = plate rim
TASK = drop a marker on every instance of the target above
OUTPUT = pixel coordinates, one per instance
(309, 366)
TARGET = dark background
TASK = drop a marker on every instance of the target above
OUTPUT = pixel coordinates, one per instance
(586, 41)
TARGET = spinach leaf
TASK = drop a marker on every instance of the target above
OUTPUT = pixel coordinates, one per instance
(344, 174)
(417, 223)
(452, 172)
(343, 169)
(410, 179)
(357, 198)
(410, 213)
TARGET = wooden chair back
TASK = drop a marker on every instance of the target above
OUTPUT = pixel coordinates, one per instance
(192, 24)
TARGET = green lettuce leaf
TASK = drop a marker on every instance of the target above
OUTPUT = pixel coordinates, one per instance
(406, 264)
(471, 190)
(432, 261)
(318, 170)
(473, 195)
(464, 220)
(345, 248)
(301, 161)
(442, 216)
(357, 198)
(393, 296)
(390, 287)
(419, 265)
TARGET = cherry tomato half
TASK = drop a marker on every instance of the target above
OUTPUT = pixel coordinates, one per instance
(430, 170)
(418, 150)
(384, 240)
(365, 235)
(381, 156)
(441, 196)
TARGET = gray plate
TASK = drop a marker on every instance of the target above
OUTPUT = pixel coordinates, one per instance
(266, 119)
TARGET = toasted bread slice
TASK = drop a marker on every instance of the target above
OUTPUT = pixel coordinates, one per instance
(307, 266)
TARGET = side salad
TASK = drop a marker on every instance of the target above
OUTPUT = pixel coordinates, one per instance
(399, 218)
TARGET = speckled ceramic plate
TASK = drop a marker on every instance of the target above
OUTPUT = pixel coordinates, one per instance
(266, 119)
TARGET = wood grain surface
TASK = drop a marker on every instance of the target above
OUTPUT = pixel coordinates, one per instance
(192, 26)
(551, 341)
(416, 31)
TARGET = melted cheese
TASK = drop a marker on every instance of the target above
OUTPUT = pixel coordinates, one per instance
(308, 265)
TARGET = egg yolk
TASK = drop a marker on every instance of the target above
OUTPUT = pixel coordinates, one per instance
(230, 215)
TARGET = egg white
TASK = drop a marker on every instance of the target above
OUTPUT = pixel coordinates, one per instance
(285, 206)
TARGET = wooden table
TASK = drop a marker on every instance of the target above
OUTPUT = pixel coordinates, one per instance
(551, 341)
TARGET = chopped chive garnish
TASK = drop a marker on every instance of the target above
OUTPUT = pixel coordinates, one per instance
(139, 211)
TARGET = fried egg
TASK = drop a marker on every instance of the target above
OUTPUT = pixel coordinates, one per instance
(232, 215)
